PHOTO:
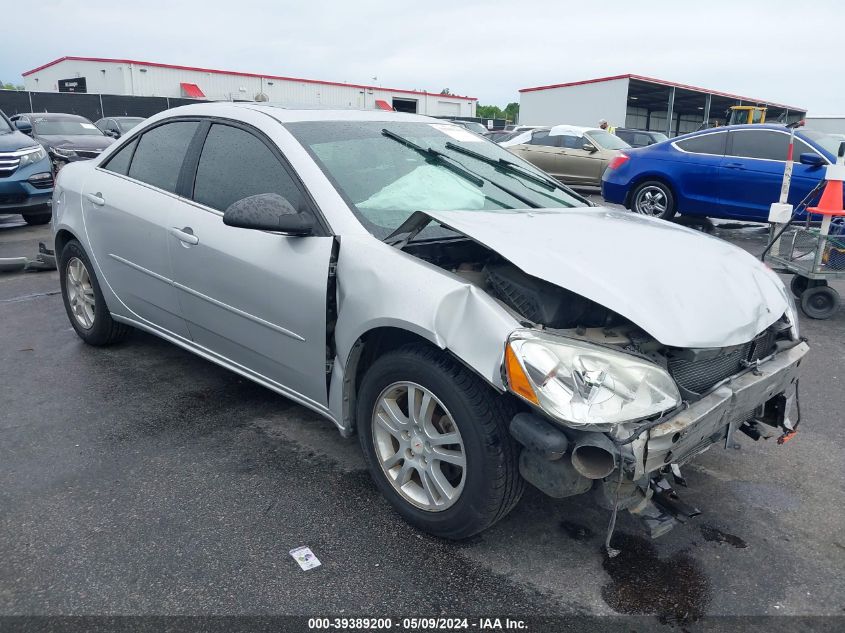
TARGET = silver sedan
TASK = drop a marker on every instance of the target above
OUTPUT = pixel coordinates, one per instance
(475, 322)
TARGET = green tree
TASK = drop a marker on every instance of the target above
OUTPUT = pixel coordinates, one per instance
(6, 86)
(512, 111)
(489, 112)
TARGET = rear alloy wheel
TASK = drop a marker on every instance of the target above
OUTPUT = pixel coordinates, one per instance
(655, 199)
(819, 302)
(435, 438)
(86, 308)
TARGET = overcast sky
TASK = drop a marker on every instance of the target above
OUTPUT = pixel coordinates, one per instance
(776, 51)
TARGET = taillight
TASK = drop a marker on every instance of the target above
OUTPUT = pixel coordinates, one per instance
(618, 160)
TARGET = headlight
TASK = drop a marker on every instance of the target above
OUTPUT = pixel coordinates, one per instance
(62, 152)
(582, 384)
(32, 155)
(792, 315)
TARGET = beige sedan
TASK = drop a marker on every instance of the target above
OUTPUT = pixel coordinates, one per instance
(574, 155)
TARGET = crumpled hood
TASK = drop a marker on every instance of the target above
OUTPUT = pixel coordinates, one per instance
(77, 141)
(685, 288)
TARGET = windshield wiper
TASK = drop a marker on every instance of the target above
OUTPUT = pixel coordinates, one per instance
(506, 165)
(433, 155)
(450, 163)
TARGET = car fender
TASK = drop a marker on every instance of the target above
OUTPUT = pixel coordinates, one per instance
(380, 286)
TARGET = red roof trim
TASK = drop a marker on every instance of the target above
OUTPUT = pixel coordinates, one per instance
(239, 74)
(662, 82)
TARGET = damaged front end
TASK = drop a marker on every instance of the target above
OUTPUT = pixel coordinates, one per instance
(611, 410)
(618, 413)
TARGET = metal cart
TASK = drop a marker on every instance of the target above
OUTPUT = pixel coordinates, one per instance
(814, 259)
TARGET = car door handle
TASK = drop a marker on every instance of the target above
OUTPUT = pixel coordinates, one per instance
(734, 165)
(185, 235)
(96, 198)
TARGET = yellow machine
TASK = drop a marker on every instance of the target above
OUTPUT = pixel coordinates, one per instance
(740, 114)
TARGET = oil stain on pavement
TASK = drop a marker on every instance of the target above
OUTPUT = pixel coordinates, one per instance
(715, 535)
(675, 590)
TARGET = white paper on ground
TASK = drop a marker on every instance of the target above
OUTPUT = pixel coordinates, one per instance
(305, 557)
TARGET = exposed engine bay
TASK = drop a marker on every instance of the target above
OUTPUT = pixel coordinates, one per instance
(540, 304)
(564, 462)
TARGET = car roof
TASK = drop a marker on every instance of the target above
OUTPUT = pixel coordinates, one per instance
(560, 130)
(54, 116)
(294, 115)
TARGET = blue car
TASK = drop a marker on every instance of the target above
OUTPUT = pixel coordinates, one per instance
(26, 175)
(728, 172)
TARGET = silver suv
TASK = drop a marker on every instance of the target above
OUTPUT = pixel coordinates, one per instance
(475, 322)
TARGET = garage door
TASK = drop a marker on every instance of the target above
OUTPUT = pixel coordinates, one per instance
(448, 108)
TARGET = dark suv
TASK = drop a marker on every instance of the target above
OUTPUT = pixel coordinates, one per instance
(26, 175)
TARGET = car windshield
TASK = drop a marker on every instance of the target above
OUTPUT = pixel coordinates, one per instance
(607, 140)
(127, 124)
(385, 180)
(827, 142)
(64, 127)
(4, 126)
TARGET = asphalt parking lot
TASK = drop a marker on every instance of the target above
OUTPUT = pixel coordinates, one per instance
(141, 479)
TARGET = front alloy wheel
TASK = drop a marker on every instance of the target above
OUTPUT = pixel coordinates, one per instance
(436, 442)
(80, 293)
(419, 448)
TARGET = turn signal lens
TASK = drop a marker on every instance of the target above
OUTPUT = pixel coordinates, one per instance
(517, 380)
(618, 160)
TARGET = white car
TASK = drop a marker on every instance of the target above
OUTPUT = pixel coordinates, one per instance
(475, 322)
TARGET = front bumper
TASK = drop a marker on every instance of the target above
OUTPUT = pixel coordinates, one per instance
(628, 468)
(717, 415)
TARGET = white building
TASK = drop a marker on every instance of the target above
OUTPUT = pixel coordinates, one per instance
(638, 102)
(830, 123)
(137, 78)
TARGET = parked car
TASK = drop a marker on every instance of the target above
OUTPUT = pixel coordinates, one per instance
(497, 136)
(727, 172)
(475, 322)
(574, 155)
(117, 126)
(640, 138)
(66, 137)
(26, 179)
(472, 126)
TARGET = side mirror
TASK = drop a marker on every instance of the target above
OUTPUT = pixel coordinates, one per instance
(589, 147)
(268, 212)
(23, 126)
(111, 133)
(811, 158)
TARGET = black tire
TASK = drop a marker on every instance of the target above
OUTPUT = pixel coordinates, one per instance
(104, 330)
(819, 302)
(639, 203)
(36, 219)
(492, 485)
(798, 285)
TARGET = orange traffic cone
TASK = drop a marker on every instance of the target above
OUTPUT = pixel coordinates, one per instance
(831, 200)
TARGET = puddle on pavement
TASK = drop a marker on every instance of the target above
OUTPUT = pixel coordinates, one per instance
(676, 589)
(715, 535)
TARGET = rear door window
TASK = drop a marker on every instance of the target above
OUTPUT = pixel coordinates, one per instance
(160, 153)
(236, 164)
(705, 144)
(542, 138)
